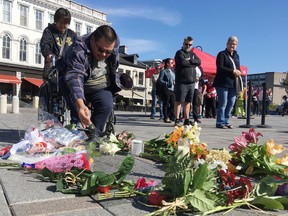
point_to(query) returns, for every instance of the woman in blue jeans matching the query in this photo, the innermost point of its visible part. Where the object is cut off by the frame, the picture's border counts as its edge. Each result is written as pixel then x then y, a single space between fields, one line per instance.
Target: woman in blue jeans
pixel 228 69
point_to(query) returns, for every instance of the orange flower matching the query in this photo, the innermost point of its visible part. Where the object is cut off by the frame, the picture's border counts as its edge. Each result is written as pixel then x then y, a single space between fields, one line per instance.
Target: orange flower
pixel 175 136
pixel 273 149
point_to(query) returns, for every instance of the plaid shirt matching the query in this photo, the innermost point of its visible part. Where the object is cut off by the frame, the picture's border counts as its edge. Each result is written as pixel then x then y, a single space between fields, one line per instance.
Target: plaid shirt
pixel 78 62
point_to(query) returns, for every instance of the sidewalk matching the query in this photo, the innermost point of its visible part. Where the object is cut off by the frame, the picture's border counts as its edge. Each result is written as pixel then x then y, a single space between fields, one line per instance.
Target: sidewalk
pixel 23 195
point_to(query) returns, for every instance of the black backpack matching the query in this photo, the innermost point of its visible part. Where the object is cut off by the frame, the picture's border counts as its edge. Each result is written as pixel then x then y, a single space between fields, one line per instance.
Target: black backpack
pixel 158 88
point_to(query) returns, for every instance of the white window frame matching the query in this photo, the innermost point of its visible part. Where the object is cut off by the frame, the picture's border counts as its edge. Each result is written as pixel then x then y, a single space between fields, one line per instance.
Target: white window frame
pixel 23 50
pixel 24 14
pixel 51 18
pixel 6 46
pixel 7 11
pixel 78 27
pixel 141 78
pixel 89 29
pixel 38 55
pixel 39 19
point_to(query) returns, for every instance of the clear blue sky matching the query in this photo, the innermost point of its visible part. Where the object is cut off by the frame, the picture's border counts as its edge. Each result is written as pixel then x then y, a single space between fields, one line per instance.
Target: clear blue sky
pixel 155 28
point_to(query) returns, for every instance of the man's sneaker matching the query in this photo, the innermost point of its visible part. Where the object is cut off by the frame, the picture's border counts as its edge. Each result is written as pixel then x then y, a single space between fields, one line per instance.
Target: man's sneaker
pixel 177 123
pixel 188 122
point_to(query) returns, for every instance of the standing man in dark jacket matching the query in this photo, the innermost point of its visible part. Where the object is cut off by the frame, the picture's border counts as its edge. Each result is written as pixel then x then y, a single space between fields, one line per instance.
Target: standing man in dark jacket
pixel 52 37
pixel 185 78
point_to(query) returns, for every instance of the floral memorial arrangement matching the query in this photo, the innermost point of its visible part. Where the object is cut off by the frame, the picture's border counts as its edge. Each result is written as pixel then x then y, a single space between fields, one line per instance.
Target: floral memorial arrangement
pixel 197 179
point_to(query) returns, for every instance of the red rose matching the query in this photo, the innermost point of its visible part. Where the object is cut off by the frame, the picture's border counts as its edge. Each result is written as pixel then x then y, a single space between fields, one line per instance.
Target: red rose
pixel 102 189
pixel 155 198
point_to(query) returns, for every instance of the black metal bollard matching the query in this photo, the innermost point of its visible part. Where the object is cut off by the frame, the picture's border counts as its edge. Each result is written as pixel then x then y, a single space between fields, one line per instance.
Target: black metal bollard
pixel 247 125
pixel 263 108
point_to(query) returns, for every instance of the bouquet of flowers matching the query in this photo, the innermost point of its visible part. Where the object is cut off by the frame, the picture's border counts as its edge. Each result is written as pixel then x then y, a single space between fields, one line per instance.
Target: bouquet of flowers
pixel 254 159
pixel 200 180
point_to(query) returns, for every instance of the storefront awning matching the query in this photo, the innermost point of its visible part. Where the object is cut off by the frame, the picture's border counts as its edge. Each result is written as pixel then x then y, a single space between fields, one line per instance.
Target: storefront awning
pixel 9 79
pixel 34 81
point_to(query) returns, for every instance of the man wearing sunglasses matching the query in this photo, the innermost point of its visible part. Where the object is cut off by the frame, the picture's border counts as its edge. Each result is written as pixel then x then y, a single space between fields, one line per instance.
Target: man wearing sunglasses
pixel 90 64
pixel 185 78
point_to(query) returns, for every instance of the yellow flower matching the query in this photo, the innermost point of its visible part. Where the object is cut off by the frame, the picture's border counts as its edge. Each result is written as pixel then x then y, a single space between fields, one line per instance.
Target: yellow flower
pixel 175 136
pixel 273 149
pixel 219 155
pixel 283 160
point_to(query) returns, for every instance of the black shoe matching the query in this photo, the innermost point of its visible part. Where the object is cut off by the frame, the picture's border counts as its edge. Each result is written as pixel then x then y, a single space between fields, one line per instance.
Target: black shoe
pixel 188 122
pixel 177 123
pixel 167 120
pixel 91 133
pixel 152 117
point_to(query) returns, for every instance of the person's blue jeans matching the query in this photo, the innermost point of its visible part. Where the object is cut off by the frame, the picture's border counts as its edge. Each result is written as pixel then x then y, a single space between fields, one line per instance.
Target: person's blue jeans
pixel 154 104
pixel 101 101
pixel 226 100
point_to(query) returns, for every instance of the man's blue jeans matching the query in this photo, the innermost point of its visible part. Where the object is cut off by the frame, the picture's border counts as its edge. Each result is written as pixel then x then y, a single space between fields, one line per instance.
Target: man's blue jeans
pixel 154 104
pixel 226 100
pixel 101 101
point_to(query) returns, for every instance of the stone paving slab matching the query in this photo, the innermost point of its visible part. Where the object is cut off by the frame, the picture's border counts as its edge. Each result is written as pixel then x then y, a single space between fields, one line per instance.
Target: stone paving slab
pixel 56 206
pixel 4 209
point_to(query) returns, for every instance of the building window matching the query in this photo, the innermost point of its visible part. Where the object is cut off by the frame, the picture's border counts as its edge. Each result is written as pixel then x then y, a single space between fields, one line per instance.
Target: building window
pixel 23 15
pixel 78 28
pixel 7 5
pixel 141 78
pixel 88 29
pixel 6 46
pixel 39 20
pixel 51 18
pixel 38 56
pixel 120 70
pixel 23 49
pixel 128 72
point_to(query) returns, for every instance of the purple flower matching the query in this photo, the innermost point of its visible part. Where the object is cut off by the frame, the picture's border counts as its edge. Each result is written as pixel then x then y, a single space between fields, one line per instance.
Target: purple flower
pixel 251 136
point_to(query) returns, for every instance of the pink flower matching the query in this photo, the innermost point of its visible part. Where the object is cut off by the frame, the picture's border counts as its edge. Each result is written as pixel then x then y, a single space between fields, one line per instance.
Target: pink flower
pixel 141 183
pixel 251 136
pixel 239 144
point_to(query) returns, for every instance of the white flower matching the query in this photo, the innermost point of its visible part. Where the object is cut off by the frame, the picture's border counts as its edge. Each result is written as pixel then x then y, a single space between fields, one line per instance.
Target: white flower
pixel 183 150
pixel 198 162
pixel 183 142
pixel 113 139
pixel 109 148
pixel 218 164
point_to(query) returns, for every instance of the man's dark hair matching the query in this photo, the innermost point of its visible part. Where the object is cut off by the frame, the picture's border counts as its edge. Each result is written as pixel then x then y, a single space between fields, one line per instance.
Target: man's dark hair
pixel 106 32
pixel 62 14
pixel 189 38
pixel 166 62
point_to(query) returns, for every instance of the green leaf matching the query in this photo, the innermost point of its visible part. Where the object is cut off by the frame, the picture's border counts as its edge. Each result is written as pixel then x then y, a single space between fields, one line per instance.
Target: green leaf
pixel 106 180
pixel 265 189
pixel 267 203
pixel 199 200
pixel 125 168
pixel 86 189
pixel 59 185
pixel 187 181
pixel 200 176
pixel 284 202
